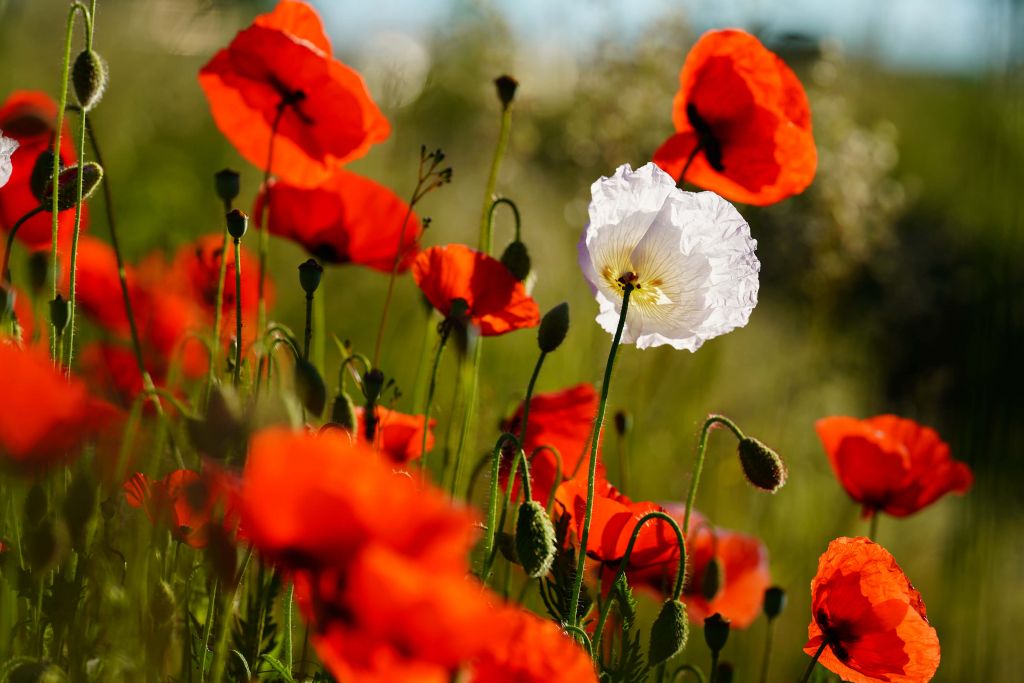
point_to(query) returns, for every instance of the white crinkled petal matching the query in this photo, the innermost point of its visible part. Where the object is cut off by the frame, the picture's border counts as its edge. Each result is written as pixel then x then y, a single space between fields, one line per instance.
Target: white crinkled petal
pixel 7 147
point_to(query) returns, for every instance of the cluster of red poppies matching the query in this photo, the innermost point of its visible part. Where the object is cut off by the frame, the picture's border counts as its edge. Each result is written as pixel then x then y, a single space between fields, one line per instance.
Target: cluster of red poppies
pixel 378 558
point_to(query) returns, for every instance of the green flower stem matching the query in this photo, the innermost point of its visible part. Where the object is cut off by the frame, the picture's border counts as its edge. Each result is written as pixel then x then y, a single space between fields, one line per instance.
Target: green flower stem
pixel 307 336
pixel 319 332
pixel 810 667
pixel 238 310
pixel 207 628
pixel 581 636
pixel 559 477
pixel 702 446
pixel 73 272
pixel 595 440
pixel 59 126
pixel 680 572
pixel 492 505
pixel 470 409
pixel 218 314
pixel 264 217
pixel 873 528
pixel 394 268
pixel 766 660
pixel 444 330
pixel 486 231
pixel 5 270
pixel 287 645
pixel 714 666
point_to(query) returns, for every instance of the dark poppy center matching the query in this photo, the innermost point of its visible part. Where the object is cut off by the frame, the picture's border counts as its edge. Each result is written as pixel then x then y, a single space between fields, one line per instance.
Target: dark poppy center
pixel 291 99
pixel 710 145
pixel 836 634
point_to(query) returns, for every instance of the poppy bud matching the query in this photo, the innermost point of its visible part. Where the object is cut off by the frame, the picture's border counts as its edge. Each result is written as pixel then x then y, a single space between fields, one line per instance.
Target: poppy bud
pixel 79 507
pixel 59 313
pixel 668 633
pixel 42 174
pixel 223 428
pixel 238 222
pixel 623 422
pixel 507 546
pixel 38 270
pixel 228 184
pixel 712 580
pixel 724 673
pixel 506 86
pixel 763 466
pixel 343 412
pixel 309 387
pixel 716 632
pixel 373 384
pixel 517 259
pixel 67 193
pixel 35 505
pixel 310 273
pixel 535 539
pixel 89 77
pixel 774 602
pixel 553 328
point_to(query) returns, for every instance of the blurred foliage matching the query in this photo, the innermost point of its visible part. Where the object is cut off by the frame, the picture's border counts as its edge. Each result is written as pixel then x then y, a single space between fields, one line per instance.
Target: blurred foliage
pixel 892 285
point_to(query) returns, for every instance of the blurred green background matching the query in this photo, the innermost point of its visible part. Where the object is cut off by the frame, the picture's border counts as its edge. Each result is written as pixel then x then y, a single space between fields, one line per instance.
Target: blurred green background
pixel 892 285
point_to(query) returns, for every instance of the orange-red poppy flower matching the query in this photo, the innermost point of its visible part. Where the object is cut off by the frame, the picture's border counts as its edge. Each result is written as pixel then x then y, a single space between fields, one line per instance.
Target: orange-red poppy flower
pixel 283 63
pixel 45 417
pixel 870 618
pixel 496 302
pixel 743 124
pixel 528 649
pixel 563 420
pixel 345 219
pixel 29 117
pixel 891 464
pixel 184 500
pixel 399 436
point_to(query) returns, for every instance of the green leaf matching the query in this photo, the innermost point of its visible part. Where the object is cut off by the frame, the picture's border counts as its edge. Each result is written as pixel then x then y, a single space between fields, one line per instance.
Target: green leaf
pixel 279 668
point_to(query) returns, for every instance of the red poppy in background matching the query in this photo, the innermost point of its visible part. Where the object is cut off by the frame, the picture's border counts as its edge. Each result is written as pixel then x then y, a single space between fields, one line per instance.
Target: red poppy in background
pixel 869 616
pixel 29 117
pixel 891 464
pixel 184 500
pixel 345 219
pixel 399 436
pixel 496 301
pixel 563 420
pixel 45 417
pixel 747 114
pixel 283 63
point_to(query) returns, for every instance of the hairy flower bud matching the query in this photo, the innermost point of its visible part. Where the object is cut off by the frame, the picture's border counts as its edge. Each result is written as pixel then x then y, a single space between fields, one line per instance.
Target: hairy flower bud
pixel 228 184
pixel 763 466
pixel 535 539
pixel 238 223
pixel 42 174
pixel 89 77
pixel 716 632
pixel 67 193
pixel 310 387
pixel 506 87
pixel 343 412
pixel 517 259
pixel 60 311
pixel 553 328
pixel 668 633
pixel 774 602
pixel 310 273
pixel 712 580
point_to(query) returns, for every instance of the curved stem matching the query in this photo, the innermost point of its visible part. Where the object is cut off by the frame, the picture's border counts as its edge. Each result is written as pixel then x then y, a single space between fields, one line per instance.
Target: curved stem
pixel 5 270
pixel 492 505
pixel 444 329
pixel 680 571
pixel 265 220
pixel 702 446
pixel 515 212
pixel 238 309
pixel 595 439
pixel 559 477
pixel 581 636
pixel 810 667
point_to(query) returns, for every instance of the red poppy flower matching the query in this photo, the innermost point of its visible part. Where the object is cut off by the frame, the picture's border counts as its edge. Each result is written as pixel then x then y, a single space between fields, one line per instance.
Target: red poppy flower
pixel 497 303
pixel 45 417
pixel 399 436
pixel 745 110
pixel 29 117
pixel 184 500
pixel 528 649
pixel 563 420
pixel 891 464
pixel 345 219
pixel 870 617
pixel 283 63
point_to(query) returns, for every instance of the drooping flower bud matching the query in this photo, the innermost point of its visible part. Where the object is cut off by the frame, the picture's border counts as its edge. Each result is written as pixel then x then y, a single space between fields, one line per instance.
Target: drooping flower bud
pixel 763 466
pixel 668 633
pixel 89 77
pixel 712 580
pixel 517 259
pixel 310 387
pixel 228 184
pixel 535 539
pixel 373 385
pixel 42 175
pixel 553 328
pixel 310 273
pixel 238 223
pixel 623 422
pixel 774 602
pixel 67 193
pixel 59 313
pixel 716 632
pixel 506 87
pixel 343 412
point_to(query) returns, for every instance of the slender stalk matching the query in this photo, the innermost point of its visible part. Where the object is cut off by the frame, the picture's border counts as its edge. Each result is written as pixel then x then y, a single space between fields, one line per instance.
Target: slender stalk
pixel 287 646
pixel 207 629
pixel 470 409
pixel 714 667
pixel 265 220
pixel 394 271
pixel 810 667
pixel 218 314
pixel 238 309
pixel 308 335
pixel 702 446
pixel 873 528
pixel 595 440
pixel 319 332
pixel 73 272
pixel 444 329
pixel 5 270
pixel 486 229
pixel 681 182
pixel 766 660
pixel 492 505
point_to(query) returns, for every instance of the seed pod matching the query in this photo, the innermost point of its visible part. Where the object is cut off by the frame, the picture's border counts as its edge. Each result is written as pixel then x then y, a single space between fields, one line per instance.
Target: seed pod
pixel 535 539
pixel 716 632
pixel 553 328
pixel 517 259
pixel 67 193
pixel 310 387
pixel 89 77
pixel 228 184
pixel 373 385
pixel 238 223
pixel 774 602
pixel 712 580
pixel 506 87
pixel 623 422
pixel 763 466
pixel 668 633
pixel 310 273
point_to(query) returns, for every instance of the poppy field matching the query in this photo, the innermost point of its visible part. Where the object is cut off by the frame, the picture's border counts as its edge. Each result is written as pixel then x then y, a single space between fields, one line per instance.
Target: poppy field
pixel 329 366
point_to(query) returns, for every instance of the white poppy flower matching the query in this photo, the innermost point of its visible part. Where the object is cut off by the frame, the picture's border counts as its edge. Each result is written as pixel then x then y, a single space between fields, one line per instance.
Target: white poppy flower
pixel 689 255
pixel 7 147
